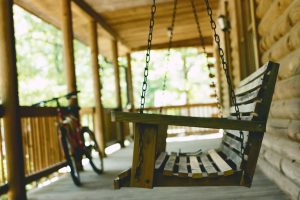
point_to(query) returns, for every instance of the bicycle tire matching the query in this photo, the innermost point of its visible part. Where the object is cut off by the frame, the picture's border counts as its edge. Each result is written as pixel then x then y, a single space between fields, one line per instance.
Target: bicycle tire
pixel 92 150
pixel 70 158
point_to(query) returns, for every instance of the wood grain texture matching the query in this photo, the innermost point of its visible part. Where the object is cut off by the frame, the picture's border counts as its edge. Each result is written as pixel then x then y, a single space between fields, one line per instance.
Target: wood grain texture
pixel 220 163
pixel 195 167
pixel 189 121
pixel 160 160
pixel 169 167
pixel 148 142
pixel 209 168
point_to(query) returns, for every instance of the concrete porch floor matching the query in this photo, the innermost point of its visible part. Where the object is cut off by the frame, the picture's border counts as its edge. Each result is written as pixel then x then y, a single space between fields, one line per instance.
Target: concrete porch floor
pixel 101 187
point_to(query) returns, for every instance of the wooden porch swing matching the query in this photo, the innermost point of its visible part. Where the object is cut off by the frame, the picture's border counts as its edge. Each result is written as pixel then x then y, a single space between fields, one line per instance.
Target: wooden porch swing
pixel 232 164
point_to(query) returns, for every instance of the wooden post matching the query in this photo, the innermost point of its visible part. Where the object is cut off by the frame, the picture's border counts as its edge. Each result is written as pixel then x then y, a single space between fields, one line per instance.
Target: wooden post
pixel 129 82
pixel 146 175
pixel 99 114
pixel 10 100
pixel 117 73
pixel 255 41
pixel 119 125
pixel 67 30
pixel 69 60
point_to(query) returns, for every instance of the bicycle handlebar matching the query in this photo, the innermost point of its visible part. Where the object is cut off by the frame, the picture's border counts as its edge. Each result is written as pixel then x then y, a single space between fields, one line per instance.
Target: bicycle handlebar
pixel 67 96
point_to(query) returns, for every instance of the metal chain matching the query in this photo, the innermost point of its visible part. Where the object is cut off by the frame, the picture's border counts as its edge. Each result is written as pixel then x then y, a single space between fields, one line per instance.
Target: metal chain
pixel 144 87
pixel 171 29
pixel 227 74
pixel 205 52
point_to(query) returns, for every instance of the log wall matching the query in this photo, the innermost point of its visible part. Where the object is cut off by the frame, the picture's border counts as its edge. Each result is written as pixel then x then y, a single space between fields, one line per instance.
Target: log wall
pixel 278 26
pixel 279 31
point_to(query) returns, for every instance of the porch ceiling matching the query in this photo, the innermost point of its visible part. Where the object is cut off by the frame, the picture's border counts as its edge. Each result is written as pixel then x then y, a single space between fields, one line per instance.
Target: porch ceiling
pixel 128 21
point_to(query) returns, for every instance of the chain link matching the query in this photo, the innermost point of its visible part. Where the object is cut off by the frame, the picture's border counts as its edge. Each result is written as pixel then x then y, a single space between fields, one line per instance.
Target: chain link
pixel 146 70
pixel 144 88
pixel 205 52
pixel 171 29
pixel 227 74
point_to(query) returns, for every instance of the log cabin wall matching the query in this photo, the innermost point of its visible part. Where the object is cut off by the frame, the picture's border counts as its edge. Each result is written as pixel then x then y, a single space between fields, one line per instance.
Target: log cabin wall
pixel 278 31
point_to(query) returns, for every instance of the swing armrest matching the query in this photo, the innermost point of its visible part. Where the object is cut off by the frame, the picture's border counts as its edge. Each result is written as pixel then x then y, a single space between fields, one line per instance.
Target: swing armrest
pixel 203 122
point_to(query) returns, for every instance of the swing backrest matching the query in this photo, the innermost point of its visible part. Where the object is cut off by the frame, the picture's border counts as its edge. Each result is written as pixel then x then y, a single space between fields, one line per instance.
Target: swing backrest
pixel 254 96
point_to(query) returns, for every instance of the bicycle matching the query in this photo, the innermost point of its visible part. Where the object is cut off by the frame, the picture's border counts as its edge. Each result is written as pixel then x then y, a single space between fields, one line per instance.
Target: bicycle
pixel 75 140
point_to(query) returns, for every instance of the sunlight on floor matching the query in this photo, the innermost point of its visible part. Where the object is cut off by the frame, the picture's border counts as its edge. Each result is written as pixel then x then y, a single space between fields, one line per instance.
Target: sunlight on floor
pixel 112 149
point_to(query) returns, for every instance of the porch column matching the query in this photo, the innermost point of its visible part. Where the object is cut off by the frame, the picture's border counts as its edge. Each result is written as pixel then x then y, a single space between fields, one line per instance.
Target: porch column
pixel 115 56
pixel 99 115
pixel 117 73
pixel 10 101
pixel 68 46
pixel 129 82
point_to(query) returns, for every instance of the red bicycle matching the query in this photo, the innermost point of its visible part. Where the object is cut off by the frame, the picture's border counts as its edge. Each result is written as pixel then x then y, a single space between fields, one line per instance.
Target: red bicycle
pixel 76 141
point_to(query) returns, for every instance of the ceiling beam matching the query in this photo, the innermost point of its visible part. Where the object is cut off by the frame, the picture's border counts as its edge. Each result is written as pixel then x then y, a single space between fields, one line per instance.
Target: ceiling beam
pixel 194 42
pixel 99 19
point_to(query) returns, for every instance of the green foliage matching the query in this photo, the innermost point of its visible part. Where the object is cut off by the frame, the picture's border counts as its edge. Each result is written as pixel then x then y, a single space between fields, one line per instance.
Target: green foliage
pixel 39 58
pixel 189 84
pixel 42 76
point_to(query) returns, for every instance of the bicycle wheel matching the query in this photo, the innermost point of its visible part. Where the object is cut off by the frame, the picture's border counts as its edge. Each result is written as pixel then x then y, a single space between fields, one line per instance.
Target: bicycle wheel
pixel 70 157
pixel 92 150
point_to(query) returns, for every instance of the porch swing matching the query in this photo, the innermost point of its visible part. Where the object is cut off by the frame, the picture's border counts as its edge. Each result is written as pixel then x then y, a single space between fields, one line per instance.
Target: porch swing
pixel 232 164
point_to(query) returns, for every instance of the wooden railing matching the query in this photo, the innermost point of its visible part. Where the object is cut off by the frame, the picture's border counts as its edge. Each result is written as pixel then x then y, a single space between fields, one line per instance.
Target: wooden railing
pixel 196 110
pixel 41 146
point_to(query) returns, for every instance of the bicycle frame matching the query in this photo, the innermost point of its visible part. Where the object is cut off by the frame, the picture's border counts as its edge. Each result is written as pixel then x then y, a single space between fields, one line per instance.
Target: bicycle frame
pixel 70 123
pixel 72 126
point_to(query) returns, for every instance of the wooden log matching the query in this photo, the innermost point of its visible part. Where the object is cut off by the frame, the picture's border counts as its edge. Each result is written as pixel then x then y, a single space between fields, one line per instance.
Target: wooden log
pixel 129 82
pixel 273 158
pixel 281 26
pixel 262 7
pixel 68 37
pixel 280 132
pixel 283 146
pixel 288 88
pixel 276 9
pixel 278 123
pixel 290 65
pixel 284 46
pixel 288 167
pixel 115 54
pixel 288 109
pixel 291 169
pixel 281 180
pixel 294 14
pixel 278 127
pixel 294 130
pixel 10 102
pixel 99 113
pixel 114 45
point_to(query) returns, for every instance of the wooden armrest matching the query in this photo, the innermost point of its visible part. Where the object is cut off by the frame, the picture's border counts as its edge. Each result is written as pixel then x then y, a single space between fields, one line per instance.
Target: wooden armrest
pixel 203 122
